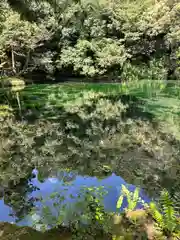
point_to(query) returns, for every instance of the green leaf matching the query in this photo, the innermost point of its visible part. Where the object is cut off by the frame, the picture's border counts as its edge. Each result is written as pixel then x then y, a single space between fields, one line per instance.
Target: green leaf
pixel 119 202
pixel 125 191
pixel 156 214
pixel 136 194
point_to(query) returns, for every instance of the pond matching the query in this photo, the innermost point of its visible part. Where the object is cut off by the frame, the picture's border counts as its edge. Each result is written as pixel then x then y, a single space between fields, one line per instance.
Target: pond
pixel 71 136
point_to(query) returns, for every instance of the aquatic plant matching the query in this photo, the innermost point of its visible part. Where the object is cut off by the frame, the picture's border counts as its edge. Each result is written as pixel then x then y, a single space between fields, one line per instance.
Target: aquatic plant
pixel 132 198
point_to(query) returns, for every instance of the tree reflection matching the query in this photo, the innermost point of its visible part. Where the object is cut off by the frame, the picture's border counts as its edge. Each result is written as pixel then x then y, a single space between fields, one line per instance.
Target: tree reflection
pixel 93 133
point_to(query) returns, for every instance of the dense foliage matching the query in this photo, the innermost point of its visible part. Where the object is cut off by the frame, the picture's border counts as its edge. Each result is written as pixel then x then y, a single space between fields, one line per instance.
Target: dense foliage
pixel 93 39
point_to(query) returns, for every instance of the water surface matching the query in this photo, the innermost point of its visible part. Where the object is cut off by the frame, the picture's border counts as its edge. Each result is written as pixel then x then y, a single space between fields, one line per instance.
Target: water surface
pixel 81 135
pixel 69 185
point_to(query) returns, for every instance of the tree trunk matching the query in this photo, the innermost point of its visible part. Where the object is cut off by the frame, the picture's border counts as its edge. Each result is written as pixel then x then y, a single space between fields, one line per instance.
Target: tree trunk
pixel 27 62
pixel 13 61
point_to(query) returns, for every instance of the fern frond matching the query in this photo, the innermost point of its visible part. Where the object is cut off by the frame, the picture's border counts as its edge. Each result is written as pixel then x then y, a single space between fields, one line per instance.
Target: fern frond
pixel 167 205
pixel 158 217
pixel 168 210
pixel 175 199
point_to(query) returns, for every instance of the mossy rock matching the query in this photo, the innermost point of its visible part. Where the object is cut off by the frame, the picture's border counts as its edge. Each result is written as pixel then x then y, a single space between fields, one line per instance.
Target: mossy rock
pixel 12 81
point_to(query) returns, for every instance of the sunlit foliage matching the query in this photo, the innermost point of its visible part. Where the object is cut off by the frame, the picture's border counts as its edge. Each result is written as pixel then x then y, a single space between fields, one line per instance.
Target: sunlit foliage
pixel 115 39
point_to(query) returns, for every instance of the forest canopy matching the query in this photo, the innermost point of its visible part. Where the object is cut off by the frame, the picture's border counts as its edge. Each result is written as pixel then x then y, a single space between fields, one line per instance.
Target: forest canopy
pixel 111 39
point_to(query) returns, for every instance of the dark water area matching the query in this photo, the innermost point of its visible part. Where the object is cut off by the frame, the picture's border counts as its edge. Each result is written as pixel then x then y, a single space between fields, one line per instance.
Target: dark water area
pixel 62 138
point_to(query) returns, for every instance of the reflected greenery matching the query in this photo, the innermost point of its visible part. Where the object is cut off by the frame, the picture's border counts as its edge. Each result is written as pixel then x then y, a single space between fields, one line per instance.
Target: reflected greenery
pixel 95 129
pixel 86 217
